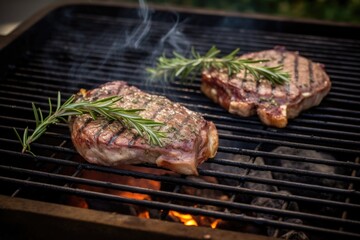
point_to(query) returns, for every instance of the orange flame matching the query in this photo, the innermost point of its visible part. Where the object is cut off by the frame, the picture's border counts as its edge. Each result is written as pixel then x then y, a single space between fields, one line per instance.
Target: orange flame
pixel 215 223
pixel 144 214
pixel 187 219
pixel 138 196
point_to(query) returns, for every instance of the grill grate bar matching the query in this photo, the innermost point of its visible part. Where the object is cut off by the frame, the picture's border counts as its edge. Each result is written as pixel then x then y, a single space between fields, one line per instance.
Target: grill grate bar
pixel 351 186
pixel 89 47
pixel 277 182
pixel 341 118
pixel 48 133
pixel 342 89
pixel 132 61
pixel 231 38
pixel 78 49
pixel 259 139
pixel 210 185
pixel 105 42
pixel 297 120
pixel 204 46
pixel 63 70
pixel 219 126
pixel 290 144
pixel 223 161
pixel 334 42
pixel 283 170
pixel 172 195
pixel 38 164
pixel 159 205
pixel 287 135
pixel 246 41
pixel 66 69
pixel 298 136
pixel 250 152
pixel 241 151
pixel 184 101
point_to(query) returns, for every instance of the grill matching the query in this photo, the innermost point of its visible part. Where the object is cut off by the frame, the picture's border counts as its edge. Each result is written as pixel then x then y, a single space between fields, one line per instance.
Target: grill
pixel 299 181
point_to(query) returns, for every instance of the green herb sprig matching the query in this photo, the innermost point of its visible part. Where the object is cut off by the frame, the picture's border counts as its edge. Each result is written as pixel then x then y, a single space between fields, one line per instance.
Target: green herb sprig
pixel 103 107
pixel 182 67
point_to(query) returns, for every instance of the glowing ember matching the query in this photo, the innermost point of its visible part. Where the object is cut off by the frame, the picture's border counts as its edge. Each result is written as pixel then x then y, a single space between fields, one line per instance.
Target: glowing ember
pixel 138 196
pixel 187 219
pixel 77 202
pixel 144 214
pixel 215 223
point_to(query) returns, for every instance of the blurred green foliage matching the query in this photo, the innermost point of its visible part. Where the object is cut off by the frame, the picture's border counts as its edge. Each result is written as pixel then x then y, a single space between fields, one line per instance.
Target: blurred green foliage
pixel 332 10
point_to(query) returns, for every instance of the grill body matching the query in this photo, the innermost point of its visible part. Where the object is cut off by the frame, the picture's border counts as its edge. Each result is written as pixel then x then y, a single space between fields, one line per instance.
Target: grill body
pixel 314 191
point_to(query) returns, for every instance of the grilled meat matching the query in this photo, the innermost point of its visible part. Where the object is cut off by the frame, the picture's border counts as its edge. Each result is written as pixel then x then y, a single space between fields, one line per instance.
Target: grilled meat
pixel 190 139
pixel 275 104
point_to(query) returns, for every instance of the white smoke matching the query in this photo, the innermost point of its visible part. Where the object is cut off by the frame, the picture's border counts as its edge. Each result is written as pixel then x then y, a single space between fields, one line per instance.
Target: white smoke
pixel 146 36
pixel 136 36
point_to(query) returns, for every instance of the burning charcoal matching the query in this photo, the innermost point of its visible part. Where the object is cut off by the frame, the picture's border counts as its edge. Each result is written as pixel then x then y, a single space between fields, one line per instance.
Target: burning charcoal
pixel 279 204
pixel 260 174
pixel 188 219
pixel 254 185
pixel 306 166
pixel 207 193
pixel 242 172
pixel 274 203
pixel 294 235
pixel 226 168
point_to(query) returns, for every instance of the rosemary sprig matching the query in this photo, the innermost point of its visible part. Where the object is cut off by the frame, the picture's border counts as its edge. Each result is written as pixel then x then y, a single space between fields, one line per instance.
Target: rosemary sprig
pixel 180 66
pixel 103 107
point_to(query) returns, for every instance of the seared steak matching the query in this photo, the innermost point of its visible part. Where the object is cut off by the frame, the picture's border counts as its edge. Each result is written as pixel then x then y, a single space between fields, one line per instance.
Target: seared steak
pixel 275 104
pixel 190 139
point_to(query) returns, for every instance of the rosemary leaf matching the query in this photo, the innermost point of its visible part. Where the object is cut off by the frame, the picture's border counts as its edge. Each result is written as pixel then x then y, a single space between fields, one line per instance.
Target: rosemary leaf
pixel 182 67
pixel 35 114
pixel 105 107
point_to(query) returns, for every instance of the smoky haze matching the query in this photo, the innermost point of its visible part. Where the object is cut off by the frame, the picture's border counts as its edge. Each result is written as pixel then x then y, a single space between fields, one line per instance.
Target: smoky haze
pixel 131 46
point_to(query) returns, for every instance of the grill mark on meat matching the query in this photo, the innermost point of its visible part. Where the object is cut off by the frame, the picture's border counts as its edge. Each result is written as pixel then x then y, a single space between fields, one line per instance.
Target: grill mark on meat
pixel 116 144
pixel 287 84
pixel 133 140
pixel 101 129
pixel 281 62
pixel 257 82
pixel 244 80
pixel 116 135
pixel 261 86
pixel 311 74
pixel 296 68
pixel 308 85
pixel 87 121
pixel 157 111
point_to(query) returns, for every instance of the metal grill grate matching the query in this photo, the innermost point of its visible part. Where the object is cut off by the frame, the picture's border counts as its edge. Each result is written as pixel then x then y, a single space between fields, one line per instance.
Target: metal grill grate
pixel 84 46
